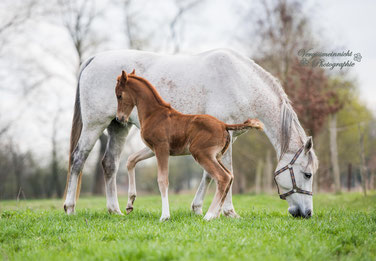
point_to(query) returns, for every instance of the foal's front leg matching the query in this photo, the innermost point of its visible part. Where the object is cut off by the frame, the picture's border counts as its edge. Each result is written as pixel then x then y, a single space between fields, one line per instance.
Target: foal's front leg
pixel 162 154
pixel 133 159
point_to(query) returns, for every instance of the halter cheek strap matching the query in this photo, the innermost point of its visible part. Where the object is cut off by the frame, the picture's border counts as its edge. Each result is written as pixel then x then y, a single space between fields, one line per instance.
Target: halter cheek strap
pixel 289 167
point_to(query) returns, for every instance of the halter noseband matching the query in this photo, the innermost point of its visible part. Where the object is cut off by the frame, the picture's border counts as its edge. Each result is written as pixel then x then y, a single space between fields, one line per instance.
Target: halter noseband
pixel 295 188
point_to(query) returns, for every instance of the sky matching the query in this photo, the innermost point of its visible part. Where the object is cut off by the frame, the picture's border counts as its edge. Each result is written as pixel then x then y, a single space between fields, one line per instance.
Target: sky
pixel 213 24
pixel 351 24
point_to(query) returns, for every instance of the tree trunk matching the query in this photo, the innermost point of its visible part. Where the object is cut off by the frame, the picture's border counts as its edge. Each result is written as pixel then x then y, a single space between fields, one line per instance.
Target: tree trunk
pixel 349 176
pixel 55 182
pixel 334 152
pixel 258 176
pixel 267 172
pixel 363 168
pixel 98 186
pixel 371 180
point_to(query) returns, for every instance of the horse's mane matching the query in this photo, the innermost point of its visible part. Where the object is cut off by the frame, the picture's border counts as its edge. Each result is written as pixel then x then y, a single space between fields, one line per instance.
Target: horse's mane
pixel 289 119
pixel 152 89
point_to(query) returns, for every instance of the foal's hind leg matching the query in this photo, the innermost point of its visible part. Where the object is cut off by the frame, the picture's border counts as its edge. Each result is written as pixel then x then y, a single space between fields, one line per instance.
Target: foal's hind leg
pixel 85 144
pixel 222 178
pixel 133 159
pixel 228 207
pixel 117 136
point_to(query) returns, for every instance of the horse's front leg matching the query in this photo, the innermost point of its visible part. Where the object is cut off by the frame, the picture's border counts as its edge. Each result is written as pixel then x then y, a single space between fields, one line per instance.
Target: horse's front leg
pixel 133 159
pixel 162 154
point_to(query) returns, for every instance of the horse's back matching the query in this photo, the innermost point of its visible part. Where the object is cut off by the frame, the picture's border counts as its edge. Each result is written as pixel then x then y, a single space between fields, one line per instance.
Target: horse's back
pixel 193 84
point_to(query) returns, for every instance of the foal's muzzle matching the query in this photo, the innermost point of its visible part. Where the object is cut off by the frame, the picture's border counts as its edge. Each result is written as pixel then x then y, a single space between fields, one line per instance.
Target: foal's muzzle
pixel 121 120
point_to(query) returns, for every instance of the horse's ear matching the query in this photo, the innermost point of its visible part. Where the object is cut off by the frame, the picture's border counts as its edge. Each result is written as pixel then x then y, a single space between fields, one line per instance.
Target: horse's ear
pixel 124 76
pixel 133 72
pixel 308 145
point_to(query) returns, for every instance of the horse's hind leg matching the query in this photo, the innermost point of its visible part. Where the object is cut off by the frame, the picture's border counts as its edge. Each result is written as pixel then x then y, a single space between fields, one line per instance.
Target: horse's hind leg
pixel 222 178
pixel 198 200
pixel 110 162
pixel 133 159
pixel 85 144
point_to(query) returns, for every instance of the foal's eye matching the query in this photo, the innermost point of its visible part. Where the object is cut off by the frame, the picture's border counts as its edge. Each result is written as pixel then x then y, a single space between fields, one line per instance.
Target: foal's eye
pixel 307 175
pixel 119 96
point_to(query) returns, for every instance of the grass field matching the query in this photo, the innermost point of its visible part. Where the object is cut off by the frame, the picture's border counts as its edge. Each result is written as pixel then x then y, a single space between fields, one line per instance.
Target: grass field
pixel 343 228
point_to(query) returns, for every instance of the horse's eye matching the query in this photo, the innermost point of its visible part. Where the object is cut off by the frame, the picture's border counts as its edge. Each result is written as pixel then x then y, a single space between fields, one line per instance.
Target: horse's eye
pixel 307 175
pixel 119 96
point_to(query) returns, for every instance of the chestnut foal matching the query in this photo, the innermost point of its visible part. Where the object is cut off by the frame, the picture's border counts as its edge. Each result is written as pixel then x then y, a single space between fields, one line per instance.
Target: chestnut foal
pixel 168 132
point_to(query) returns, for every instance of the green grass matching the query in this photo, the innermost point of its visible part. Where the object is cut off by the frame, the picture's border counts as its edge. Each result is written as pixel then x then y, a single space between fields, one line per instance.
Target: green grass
pixel 343 228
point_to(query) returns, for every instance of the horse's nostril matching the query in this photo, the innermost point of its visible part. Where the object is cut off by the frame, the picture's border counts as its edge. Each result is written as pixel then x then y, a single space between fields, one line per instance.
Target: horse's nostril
pixel 295 212
pixel 308 213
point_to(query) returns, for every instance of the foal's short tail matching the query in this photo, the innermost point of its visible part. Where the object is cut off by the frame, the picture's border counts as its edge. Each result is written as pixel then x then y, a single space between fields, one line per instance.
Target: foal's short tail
pixel 250 123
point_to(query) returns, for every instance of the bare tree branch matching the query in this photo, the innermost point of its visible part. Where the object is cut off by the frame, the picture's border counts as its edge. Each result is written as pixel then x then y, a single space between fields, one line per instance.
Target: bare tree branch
pixel 182 10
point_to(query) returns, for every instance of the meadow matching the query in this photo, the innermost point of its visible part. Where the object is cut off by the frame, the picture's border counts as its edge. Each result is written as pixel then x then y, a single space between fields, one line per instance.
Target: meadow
pixel 343 228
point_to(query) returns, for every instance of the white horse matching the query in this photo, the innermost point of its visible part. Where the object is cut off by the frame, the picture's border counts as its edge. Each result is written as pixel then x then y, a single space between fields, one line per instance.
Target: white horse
pixel 222 83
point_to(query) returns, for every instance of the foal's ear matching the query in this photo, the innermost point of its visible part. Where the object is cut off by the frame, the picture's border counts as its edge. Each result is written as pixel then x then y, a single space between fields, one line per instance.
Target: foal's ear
pixel 133 72
pixel 124 76
pixel 308 145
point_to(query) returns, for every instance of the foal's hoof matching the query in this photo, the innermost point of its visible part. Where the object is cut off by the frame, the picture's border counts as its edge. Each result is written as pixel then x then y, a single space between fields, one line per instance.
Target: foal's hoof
pixel 163 219
pixel 197 209
pixel 131 199
pixel 230 213
pixel 129 209
pixel 69 209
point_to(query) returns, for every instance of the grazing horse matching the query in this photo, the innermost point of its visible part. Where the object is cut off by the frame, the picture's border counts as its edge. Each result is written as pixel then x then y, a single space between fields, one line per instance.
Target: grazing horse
pixel 168 132
pixel 222 83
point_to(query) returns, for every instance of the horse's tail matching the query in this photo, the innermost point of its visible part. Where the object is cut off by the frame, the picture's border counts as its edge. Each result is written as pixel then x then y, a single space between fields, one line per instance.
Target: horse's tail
pixel 250 123
pixel 76 132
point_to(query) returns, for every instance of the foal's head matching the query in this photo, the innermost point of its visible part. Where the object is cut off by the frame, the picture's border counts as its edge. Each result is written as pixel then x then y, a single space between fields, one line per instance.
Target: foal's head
pixel 126 101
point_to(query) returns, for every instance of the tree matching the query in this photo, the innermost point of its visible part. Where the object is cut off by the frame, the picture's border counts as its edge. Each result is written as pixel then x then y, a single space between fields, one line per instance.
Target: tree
pixel 15 17
pixel 283 28
pixel 12 20
pixel 183 8
pixel 78 18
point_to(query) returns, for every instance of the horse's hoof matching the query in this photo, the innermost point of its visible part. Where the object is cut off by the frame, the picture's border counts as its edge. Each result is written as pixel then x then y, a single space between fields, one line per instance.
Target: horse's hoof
pixel 230 213
pixel 197 209
pixel 209 216
pixel 115 211
pixel 164 218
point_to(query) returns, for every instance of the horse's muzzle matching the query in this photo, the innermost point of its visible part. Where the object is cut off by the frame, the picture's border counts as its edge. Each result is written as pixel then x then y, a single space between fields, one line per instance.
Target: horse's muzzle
pixel 297 212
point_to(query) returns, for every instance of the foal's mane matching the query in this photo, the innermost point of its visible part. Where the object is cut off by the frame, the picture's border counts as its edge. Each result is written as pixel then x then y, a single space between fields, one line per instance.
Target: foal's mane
pixel 152 89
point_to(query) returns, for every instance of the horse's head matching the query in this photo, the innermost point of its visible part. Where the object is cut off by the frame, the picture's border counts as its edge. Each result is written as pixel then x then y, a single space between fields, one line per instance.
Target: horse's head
pixel 126 101
pixel 294 175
